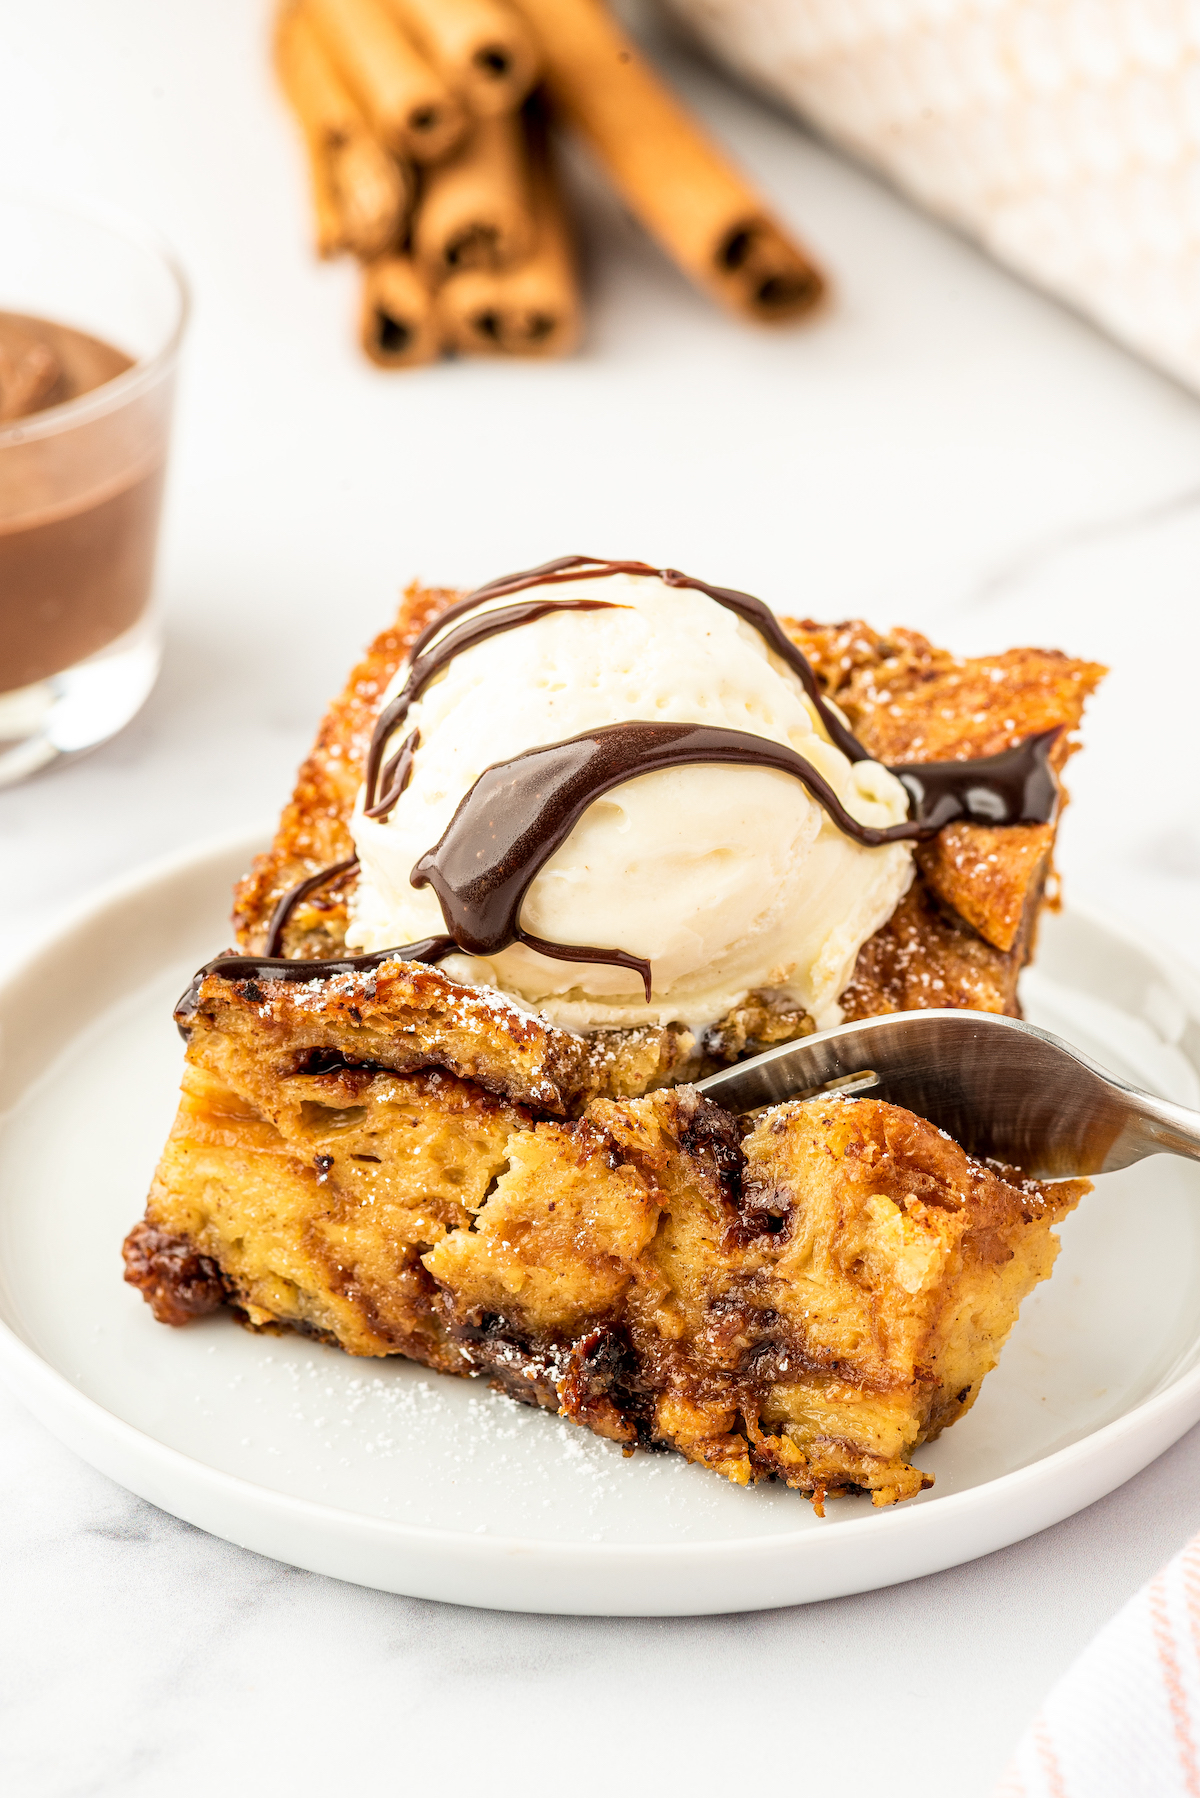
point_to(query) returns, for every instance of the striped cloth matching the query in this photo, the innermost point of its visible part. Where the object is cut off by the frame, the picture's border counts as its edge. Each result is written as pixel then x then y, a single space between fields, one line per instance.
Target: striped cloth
pixel 1063 134
pixel 1124 1721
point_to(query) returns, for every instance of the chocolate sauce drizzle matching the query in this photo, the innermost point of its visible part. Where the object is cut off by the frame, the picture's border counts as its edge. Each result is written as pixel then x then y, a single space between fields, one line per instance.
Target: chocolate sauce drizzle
pixel 424 664
pixel 754 611
pixel 396 777
pixel 1015 787
pixel 294 895
pixel 521 811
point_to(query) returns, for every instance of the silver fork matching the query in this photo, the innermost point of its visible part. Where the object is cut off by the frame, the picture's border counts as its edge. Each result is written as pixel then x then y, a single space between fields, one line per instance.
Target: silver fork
pixel 998 1086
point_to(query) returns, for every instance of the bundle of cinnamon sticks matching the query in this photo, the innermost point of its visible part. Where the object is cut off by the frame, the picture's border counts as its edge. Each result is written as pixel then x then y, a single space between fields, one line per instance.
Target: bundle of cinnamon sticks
pixel 425 125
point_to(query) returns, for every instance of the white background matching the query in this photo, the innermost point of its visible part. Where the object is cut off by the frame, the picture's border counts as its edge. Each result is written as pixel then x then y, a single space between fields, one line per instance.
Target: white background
pixel 944 449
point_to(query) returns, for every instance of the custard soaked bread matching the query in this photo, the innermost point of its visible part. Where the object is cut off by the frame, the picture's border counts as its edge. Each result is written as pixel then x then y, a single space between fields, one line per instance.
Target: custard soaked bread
pixel 811 1301
pixel 451 1117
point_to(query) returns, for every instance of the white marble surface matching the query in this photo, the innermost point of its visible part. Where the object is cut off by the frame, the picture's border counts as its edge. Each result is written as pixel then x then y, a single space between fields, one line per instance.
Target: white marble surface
pixel 945 449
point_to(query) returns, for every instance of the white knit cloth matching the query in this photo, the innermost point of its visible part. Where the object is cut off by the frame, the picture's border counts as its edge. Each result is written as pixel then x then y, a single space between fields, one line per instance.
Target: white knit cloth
pixel 1064 134
pixel 1124 1722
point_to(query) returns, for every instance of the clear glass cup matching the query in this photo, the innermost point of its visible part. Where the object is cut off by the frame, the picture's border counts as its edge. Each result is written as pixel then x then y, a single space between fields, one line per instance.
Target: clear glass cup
pixel 80 481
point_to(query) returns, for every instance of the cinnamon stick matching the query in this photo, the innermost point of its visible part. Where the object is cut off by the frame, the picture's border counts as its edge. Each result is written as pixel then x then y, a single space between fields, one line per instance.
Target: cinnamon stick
pixel 405 99
pixel 531 309
pixel 482 48
pixel 361 195
pixel 476 210
pixel 678 183
pixel 326 114
pixel 328 229
pixel 319 98
pixel 373 193
pixel 398 324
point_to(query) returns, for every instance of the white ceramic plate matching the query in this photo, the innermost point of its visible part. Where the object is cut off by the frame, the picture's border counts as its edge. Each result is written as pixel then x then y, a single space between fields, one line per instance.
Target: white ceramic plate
pixel 385 1474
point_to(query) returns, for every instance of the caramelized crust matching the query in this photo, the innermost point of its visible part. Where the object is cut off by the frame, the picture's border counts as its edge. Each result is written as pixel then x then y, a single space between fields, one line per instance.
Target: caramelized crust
pixel 175 1279
pixel 909 702
pixel 967 925
pixel 403 1017
pixel 988 874
pixel 925 955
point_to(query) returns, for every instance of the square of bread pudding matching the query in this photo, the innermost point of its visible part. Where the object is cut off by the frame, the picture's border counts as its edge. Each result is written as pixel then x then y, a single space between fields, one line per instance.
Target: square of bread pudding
pixel 563 846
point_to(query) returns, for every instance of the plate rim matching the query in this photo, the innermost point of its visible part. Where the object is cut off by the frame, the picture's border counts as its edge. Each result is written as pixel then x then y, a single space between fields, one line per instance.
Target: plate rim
pixel 70 1413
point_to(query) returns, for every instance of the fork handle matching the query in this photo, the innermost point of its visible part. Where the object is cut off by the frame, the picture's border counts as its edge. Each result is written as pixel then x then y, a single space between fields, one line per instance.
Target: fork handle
pixel 1158 1127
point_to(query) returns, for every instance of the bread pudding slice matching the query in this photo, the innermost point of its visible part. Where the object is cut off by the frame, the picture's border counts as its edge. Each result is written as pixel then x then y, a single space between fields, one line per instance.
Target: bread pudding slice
pixel 399 1163
pixel 810 1300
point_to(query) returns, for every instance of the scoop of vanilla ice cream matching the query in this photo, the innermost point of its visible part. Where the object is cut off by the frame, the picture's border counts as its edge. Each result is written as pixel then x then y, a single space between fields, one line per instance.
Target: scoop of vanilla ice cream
pixel 727 879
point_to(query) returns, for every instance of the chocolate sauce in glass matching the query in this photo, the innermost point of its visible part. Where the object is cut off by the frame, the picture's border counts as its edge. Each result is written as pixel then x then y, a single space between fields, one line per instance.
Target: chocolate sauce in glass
pixel 521 811
pixel 45 364
pixel 78 512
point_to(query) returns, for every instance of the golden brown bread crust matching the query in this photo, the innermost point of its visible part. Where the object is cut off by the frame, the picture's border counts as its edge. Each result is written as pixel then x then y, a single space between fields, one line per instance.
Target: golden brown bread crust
pixel 910 702
pixel 811 1303
pixel 926 955
pixel 987 874
pixel 966 928
pixel 404 1017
